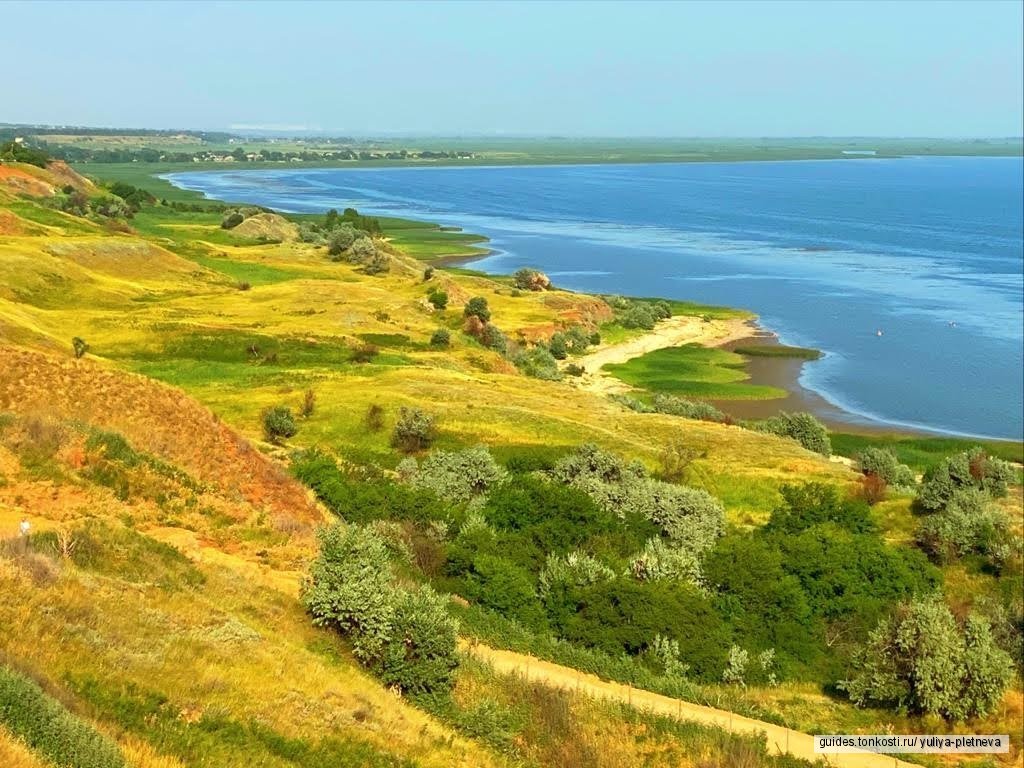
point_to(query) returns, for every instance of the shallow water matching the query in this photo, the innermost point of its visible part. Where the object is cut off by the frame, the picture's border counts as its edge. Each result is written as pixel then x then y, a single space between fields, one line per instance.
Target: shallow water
pixel 926 250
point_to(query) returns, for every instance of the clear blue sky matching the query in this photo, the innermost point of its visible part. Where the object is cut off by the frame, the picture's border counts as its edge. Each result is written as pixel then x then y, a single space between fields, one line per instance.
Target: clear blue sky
pixel 582 69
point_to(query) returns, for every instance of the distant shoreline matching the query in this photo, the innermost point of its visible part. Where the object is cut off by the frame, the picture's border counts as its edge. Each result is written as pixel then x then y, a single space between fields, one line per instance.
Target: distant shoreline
pixel 781 372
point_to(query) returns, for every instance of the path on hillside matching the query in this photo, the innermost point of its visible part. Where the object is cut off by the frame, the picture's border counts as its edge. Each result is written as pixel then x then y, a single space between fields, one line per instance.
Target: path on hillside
pixel 780 740
pixel 673 332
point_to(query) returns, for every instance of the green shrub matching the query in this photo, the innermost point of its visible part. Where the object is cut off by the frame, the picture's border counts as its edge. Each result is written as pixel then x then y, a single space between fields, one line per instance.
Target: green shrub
pixel 361 499
pixel 883 464
pixel 969 469
pixel 80 346
pixel 438 298
pixel 921 660
pixel 622 615
pixel 689 409
pixel 504 586
pixel 374 418
pixel 813 504
pixel 968 523
pixel 340 240
pixel 441 339
pixel 577 339
pixel 558 346
pixel 279 424
pixel 414 431
pixel 492 337
pixel 231 220
pixel 537 362
pixel 428 274
pixel 376 263
pixel 49 729
pixel 405 636
pixel 802 427
pixel 575 370
pixel 458 475
pixel 765 606
pixel 527 279
pixel 477 307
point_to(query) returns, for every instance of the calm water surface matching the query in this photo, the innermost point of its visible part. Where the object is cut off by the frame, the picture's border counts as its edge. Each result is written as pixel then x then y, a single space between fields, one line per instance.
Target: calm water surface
pixel 926 250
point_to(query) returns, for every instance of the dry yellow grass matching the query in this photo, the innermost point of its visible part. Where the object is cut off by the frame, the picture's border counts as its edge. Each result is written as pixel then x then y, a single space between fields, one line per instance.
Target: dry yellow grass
pixel 14 754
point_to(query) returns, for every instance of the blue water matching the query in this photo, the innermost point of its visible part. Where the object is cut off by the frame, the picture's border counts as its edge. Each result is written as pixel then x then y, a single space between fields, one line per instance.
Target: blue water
pixel 927 250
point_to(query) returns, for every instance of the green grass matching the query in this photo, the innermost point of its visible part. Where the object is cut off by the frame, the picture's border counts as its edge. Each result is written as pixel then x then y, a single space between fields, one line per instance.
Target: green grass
pixel 778 350
pixel 429 242
pixel 49 729
pixel 693 371
pixel 247 271
pixel 215 739
pixel 922 452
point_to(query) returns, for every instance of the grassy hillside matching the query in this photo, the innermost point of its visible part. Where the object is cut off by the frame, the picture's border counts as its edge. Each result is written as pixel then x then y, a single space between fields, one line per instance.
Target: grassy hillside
pixel 156 599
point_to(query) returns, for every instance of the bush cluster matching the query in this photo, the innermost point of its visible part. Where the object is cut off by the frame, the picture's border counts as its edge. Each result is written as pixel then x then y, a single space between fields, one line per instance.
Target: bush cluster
pixel 279 424
pixel 636 313
pixel 921 659
pixel 802 427
pixel 404 635
pixel 414 431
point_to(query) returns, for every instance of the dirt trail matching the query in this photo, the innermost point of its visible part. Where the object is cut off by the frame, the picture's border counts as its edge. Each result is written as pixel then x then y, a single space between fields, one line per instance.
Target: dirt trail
pixel 673 332
pixel 780 740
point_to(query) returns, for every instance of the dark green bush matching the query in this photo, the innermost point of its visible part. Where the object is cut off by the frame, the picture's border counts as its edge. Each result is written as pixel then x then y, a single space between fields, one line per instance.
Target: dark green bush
pixel 802 427
pixel 438 298
pixel 441 339
pixel 969 469
pixel 362 499
pixel 279 424
pixel 232 220
pixel 558 346
pixel 477 307
pixel 49 729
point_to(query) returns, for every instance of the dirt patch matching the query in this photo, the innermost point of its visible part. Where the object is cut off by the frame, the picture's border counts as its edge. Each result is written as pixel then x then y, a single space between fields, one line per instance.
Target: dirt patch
pixel 24 182
pixel 268 226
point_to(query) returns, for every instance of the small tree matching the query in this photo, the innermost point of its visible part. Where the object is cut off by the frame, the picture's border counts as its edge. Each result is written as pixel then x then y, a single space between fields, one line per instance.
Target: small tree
pixel 415 430
pixel 492 337
pixel 438 298
pixel 441 339
pixel 377 263
pixel 558 346
pixel 921 660
pixel 477 307
pixel 340 240
pixel 883 463
pixel 736 666
pixel 80 347
pixel 362 251
pixel 802 427
pixel 279 424
pixel 969 469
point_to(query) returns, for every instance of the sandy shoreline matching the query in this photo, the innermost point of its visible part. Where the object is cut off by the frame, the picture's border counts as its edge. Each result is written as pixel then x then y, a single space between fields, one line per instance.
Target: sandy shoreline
pixel 780 372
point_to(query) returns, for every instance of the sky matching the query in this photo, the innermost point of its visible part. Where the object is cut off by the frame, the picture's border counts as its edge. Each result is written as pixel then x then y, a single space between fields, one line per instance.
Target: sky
pixel 723 68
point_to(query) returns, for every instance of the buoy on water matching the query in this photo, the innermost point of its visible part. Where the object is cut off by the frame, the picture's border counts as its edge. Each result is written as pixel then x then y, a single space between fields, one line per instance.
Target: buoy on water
pixel 878 332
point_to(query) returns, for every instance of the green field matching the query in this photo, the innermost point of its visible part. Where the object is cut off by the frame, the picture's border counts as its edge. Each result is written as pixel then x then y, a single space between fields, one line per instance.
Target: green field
pixel 922 452
pixel 777 350
pixel 693 371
